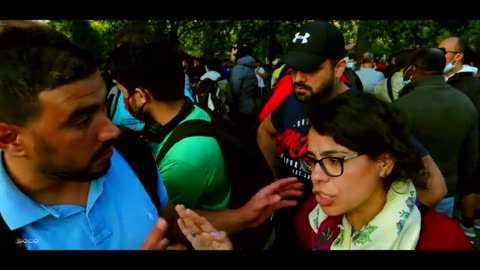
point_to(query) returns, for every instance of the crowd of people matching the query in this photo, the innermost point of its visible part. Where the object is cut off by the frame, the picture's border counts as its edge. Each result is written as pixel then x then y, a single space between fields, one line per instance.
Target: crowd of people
pixel 350 170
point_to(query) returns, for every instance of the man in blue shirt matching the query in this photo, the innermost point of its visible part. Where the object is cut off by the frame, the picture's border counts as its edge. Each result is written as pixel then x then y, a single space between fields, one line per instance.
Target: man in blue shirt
pixel 60 176
pixel 63 184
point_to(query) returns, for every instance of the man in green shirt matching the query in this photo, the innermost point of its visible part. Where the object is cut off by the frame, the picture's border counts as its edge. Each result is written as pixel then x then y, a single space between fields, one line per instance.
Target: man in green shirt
pixel 151 77
pixel 193 170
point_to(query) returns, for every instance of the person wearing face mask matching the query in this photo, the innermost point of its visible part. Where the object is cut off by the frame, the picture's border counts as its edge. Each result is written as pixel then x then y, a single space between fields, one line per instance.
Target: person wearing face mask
pixel 116 102
pixel 389 88
pixel 368 72
pixel 193 171
pixel 443 119
pixel 364 177
pixel 462 76
pixel 160 103
pixel 349 76
pixel 317 56
pixel 457 55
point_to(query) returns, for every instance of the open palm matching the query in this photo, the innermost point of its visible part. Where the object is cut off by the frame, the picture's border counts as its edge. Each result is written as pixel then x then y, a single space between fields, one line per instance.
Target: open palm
pixel 201 234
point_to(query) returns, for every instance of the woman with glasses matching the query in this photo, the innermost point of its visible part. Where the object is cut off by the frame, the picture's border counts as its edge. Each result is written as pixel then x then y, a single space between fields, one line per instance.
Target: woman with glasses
pixel 365 171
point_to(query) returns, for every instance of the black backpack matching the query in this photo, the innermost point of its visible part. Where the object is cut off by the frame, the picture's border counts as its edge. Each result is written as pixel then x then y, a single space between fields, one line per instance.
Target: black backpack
pixel 209 92
pixel 353 79
pixel 133 149
pixel 247 169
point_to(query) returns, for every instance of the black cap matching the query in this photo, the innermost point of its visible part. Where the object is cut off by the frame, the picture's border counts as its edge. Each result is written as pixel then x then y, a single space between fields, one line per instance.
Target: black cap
pixel 314 43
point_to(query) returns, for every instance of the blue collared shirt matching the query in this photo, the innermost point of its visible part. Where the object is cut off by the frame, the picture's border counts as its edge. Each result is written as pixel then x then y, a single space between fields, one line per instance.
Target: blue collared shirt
pixel 119 213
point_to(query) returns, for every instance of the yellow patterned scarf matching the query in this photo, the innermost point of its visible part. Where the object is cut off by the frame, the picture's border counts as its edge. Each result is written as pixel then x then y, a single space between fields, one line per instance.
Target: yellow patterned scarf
pixel 396 227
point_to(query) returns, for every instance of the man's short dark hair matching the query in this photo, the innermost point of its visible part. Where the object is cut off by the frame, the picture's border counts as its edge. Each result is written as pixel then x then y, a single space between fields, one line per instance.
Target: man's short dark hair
pixel 430 60
pixel 35 58
pixel 155 66
pixel 243 49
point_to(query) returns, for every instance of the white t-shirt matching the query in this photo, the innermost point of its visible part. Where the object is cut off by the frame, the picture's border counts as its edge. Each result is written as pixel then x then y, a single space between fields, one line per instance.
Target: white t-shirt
pixel 260 70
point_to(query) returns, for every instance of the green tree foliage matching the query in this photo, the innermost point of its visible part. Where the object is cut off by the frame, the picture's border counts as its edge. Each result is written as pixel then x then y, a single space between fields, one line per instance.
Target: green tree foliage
pixel 84 34
pixel 269 38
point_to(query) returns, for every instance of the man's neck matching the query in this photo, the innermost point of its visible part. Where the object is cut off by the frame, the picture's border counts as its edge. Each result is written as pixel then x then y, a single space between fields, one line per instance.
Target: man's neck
pixel 368 66
pixel 164 112
pixel 339 89
pixel 41 189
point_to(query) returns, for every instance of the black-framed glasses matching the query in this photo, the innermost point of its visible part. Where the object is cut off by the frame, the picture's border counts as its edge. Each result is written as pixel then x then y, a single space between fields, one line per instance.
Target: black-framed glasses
pixel 331 166
pixel 445 51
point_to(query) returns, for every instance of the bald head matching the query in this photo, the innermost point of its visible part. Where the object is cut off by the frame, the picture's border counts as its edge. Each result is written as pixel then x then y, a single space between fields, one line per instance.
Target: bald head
pixel 450 44
pixel 367 57
pixel 457 50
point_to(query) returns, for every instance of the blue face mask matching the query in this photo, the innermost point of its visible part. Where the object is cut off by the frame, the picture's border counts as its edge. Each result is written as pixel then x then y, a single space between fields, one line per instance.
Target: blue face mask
pixel 405 82
pixel 349 64
pixel 449 66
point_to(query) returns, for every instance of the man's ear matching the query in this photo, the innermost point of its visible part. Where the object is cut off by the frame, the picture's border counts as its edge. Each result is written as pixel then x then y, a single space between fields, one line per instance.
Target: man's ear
pixel 10 140
pixel 459 57
pixel 143 94
pixel 386 163
pixel 340 68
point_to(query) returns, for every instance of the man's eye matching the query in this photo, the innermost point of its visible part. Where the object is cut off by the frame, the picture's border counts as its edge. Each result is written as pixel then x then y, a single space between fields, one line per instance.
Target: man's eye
pixel 84 120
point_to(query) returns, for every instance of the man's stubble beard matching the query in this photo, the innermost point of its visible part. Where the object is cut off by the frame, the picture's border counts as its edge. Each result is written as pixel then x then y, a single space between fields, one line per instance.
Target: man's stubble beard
pixel 316 96
pixel 43 148
pixel 80 176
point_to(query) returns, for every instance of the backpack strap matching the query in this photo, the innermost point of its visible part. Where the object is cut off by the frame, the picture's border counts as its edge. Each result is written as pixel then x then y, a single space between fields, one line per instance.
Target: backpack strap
pixel 186 129
pixel 140 158
pixel 353 79
pixel 112 101
pixel 389 88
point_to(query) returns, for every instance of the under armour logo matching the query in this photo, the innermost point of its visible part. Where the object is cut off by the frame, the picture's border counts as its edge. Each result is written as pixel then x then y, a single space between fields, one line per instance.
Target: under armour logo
pixel 298 36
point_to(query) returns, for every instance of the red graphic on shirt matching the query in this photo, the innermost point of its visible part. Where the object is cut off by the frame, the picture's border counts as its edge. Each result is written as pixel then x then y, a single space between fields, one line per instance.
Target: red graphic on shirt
pixel 295 144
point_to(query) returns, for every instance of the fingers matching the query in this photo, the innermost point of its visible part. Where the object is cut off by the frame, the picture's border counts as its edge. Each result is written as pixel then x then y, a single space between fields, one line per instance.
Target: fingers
pixel 285 203
pixel 177 246
pixel 193 221
pixel 181 210
pixel 290 193
pixel 184 229
pixel 286 181
pixel 200 221
pixel 280 184
pixel 223 242
pixel 155 240
pixel 295 186
pixel 221 235
pixel 189 229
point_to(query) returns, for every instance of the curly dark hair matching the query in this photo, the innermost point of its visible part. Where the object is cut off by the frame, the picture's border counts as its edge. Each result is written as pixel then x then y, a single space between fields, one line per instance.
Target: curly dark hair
pixel 365 124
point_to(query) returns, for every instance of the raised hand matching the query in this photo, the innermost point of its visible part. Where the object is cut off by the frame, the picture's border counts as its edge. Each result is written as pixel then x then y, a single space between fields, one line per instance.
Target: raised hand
pixel 201 234
pixel 277 195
